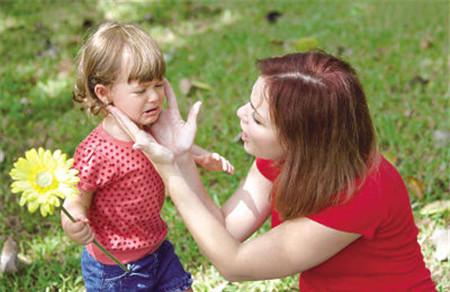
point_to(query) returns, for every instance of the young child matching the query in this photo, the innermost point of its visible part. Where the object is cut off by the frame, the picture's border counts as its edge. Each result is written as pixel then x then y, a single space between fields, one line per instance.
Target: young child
pixel 121 194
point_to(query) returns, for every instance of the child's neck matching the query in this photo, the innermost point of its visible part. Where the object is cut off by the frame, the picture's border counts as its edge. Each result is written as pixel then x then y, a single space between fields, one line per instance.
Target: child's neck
pixel 113 129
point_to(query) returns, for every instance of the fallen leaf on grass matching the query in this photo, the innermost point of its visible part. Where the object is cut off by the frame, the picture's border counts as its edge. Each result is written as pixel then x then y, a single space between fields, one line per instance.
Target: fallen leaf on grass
pixel 277 42
pixel 417 80
pixel 2 155
pixel 426 42
pixel 441 240
pixel 436 207
pixel 273 16
pixel 416 187
pixel 201 85
pixel 186 85
pixel 8 259
pixel 306 44
pixel 442 138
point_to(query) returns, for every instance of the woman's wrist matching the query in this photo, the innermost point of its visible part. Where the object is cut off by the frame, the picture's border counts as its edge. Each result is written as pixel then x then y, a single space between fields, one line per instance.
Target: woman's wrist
pixel 185 159
pixel 167 170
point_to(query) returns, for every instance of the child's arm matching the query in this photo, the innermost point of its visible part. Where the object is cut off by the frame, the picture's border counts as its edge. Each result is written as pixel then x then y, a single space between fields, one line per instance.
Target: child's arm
pixel 211 161
pixel 78 207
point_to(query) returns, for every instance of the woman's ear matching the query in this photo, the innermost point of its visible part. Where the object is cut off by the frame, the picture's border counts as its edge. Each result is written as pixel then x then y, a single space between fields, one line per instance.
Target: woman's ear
pixel 102 93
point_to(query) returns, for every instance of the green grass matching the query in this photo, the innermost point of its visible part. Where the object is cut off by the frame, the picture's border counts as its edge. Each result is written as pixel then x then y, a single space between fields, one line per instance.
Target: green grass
pixel 399 48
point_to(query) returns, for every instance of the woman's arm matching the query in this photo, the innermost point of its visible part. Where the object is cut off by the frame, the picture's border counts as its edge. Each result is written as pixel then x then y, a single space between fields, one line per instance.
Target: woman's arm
pixel 245 210
pixel 292 247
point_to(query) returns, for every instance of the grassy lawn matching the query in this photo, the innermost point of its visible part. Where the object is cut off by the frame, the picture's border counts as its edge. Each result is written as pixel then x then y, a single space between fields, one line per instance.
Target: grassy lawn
pixel 399 48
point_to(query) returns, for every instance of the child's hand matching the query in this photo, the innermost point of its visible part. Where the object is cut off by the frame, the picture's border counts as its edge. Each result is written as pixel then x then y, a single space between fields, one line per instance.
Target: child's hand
pixel 78 231
pixel 213 162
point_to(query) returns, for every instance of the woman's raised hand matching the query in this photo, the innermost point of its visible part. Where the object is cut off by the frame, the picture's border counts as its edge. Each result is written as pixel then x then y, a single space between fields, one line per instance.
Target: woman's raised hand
pixel 171 130
pixel 170 136
pixel 142 140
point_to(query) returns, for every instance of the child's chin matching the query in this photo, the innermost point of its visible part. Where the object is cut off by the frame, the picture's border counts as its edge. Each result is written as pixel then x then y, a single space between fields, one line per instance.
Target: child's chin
pixel 149 122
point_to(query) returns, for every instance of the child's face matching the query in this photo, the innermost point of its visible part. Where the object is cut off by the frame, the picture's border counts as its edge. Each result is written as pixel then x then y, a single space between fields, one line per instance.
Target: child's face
pixel 141 102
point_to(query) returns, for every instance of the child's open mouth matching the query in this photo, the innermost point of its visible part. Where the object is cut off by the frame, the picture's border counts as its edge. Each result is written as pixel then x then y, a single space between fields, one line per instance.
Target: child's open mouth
pixel 152 111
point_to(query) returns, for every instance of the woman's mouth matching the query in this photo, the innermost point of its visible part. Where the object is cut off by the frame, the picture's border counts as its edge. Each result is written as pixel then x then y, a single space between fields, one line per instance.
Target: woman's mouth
pixel 244 137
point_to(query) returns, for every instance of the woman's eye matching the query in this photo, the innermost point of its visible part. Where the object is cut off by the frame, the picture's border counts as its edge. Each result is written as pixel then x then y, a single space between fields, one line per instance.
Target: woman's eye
pixel 140 91
pixel 159 85
pixel 255 119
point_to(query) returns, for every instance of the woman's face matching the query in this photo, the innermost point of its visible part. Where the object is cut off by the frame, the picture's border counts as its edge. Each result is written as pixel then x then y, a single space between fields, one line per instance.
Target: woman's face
pixel 258 131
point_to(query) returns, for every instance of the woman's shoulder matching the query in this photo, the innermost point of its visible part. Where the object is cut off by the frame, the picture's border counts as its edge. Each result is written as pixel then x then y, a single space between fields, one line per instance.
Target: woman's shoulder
pixel 383 178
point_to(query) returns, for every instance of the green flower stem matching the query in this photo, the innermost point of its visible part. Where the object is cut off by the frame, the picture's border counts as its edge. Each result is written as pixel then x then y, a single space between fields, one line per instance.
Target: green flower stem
pixel 106 252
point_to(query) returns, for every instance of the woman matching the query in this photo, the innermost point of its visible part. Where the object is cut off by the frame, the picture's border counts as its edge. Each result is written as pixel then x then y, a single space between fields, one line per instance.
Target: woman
pixel 341 214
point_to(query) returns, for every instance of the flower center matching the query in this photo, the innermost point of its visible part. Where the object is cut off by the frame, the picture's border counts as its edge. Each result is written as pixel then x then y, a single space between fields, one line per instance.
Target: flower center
pixel 44 179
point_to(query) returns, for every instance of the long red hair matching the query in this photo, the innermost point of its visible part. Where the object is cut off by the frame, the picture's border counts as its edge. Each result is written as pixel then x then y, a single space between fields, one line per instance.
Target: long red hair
pixel 320 111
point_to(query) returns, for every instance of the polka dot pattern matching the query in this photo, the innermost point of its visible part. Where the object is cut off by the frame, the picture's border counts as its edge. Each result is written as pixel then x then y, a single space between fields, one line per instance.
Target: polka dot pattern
pixel 129 193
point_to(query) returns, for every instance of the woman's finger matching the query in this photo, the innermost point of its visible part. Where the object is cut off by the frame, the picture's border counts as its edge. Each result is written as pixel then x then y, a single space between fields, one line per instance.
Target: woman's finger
pixel 171 98
pixel 155 152
pixel 193 113
pixel 124 122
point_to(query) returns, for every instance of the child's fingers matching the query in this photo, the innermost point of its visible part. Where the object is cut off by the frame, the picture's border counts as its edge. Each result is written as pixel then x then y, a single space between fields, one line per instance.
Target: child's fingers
pixel 85 236
pixel 225 165
pixel 90 238
pixel 223 162
pixel 84 220
pixel 229 168
pixel 215 156
pixel 79 224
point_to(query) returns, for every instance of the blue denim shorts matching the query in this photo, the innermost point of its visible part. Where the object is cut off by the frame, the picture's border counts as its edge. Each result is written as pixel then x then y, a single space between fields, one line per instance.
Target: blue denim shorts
pixel 158 271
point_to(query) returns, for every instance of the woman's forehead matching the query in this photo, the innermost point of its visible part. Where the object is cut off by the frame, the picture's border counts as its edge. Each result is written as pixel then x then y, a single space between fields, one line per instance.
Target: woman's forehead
pixel 258 96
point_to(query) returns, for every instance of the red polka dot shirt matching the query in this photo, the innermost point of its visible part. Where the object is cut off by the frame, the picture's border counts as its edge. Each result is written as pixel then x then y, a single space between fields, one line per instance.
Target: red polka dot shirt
pixel 128 197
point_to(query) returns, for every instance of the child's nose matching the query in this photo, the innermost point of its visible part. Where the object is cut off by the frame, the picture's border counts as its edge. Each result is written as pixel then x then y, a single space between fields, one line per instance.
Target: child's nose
pixel 152 95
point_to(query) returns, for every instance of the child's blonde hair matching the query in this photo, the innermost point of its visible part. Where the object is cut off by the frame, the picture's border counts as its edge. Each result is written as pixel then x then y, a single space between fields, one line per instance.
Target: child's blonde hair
pixel 100 61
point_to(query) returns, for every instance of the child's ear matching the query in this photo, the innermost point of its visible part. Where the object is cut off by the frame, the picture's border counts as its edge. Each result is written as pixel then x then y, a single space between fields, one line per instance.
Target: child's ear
pixel 102 93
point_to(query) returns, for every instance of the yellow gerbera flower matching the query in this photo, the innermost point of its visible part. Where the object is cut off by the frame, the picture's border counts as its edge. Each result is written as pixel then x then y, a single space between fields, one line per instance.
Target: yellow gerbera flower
pixel 44 178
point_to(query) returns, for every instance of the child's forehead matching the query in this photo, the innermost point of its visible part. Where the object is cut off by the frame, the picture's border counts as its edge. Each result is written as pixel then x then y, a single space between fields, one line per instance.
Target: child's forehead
pixel 144 83
pixel 132 70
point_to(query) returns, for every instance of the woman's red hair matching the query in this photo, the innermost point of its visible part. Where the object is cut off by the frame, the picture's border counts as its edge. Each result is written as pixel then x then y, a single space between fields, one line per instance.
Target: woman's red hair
pixel 320 111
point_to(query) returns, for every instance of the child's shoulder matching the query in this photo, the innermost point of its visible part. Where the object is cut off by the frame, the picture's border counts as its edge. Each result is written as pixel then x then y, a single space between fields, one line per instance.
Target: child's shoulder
pixel 90 144
pixel 93 138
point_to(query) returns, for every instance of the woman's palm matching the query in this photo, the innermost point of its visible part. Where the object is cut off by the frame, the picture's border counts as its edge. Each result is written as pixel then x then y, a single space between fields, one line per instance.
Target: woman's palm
pixel 172 132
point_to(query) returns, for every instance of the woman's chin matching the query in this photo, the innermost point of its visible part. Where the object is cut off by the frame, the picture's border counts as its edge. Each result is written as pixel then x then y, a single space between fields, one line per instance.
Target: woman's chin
pixel 248 149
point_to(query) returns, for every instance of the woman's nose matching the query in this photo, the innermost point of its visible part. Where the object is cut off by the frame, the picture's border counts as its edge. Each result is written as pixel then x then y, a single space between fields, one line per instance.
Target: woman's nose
pixel 242 113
